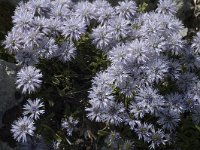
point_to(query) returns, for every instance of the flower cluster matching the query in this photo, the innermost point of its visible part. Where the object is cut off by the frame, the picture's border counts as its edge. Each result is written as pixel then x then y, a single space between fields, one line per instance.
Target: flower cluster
pixel 45 29
pixel 146 51
pixel 25 125
pixel 149 84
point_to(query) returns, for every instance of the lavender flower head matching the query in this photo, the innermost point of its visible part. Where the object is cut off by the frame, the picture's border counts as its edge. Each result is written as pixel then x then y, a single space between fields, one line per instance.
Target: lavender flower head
pixel 101 37
pixel 196 43
pixel 69 124
pixel 167 7
pixel 126 9
pixel 33 108
pixel 21 128
pixel 29 79
pixel 66 51
pixel 73 28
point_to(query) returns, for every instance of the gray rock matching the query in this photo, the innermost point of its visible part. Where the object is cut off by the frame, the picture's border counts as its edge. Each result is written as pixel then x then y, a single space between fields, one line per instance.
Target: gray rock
pixel 7 87
pixel 5 146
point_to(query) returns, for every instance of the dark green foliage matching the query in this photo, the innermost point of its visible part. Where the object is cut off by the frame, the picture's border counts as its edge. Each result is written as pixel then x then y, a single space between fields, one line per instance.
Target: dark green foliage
pixel 6 11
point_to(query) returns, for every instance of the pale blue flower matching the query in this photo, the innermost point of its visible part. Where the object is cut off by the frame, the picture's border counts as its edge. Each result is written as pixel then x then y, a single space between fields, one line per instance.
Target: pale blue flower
pixel 101 96
pixel 156 138
pixel 23 19
pixel 190 59
pixel 175 101
pixel 137 52
pixel 126 9
pixel 52 27
pixel 73 28
pixel 156 69
pixel 39 7
pixel 143 130
pixel 118 54
pixel 33 108
pixel 114 113
pixel 69 124
pixel 119 28
pixel 101 37
pixel 32 38
pixel 137 110
pixel 105 14
pixel 85 11
pixel 149 99
pixel 186 81
pixel 29 79
pixel 169 119
pixel 66 51
pixel 167 7
pixel 128 145
pixel 118 73
pixel 22 128
pixel 95 113
pixel 48 49
pixel 13 41
pixel 26 57
pixel 61 9
pixel 113 139
pixel 196 42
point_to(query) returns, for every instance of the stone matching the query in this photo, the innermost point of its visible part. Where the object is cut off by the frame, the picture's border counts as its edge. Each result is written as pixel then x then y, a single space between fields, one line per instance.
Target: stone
pixel 7 87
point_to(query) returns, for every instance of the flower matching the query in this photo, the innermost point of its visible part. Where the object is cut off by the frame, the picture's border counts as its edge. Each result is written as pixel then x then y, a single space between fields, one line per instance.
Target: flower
pixel 104 14
pixel 29 79
pixel 100 96
pixel 26 57
pixel 85 11
pixel 101 92
pixel 66 51
pixel 13 41
pixel 114 114
pixel 23 19
pixel 48 49
pixel 156 70
pixel 118 54
pixel 101 37
pixel 143 130
pixel 94 113
pixel 40 7
pixel 119 28
pixel 169 119
pixel 149 99
pixel 33 108
pixel 21 128
pixel 73 28
pixel 156 138
pixel 128 145
pixel 136 110
pixel 113 139
pixel 167 7
pixel 137 52
pixel 56 144
pixel 126 9
pixel 69 124
pixel 196 42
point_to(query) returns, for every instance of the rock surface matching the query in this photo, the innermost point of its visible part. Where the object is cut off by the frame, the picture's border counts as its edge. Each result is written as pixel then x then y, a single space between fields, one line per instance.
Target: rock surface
pixel 7 87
